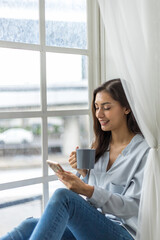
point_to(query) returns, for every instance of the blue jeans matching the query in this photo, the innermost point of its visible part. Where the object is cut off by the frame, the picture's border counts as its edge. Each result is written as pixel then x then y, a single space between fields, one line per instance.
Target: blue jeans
pixel 69 217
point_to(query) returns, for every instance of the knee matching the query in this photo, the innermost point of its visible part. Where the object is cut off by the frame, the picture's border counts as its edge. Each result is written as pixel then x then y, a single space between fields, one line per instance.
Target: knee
pixel 24 230
pixel 29 223
pixel 61 195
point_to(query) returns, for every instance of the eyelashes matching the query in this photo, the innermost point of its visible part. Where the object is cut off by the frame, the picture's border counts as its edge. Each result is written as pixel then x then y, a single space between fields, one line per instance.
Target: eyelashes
pixel 103 109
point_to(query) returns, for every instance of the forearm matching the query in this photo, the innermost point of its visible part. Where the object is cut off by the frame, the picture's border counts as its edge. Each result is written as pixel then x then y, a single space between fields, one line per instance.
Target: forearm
pixel 87 190
pixel 75 184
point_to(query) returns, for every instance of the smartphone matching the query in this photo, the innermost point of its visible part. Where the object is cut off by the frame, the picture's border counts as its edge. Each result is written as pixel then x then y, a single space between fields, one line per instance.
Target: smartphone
pixel 56 167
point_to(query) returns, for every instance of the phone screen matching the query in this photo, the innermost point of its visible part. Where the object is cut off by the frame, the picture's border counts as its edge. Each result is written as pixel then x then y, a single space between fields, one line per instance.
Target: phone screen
pixel 56 167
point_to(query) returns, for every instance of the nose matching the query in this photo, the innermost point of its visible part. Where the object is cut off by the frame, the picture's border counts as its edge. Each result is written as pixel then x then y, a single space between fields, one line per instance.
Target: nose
pixel 100 113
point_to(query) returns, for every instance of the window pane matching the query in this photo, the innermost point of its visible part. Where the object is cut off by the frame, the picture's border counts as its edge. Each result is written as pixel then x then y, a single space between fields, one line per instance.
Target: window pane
pixel 67 83
pixel 26 201
pixel 19 21
pixel 55 185
pixel 20 80
pixel 66 23
pixel 20 149
pixel 65 133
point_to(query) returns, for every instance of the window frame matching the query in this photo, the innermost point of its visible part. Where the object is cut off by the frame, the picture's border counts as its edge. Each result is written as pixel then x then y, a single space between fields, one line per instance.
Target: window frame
pixel 94 76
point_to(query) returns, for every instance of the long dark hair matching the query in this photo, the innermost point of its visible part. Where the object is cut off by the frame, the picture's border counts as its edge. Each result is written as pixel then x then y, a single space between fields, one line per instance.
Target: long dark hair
pixel 102 138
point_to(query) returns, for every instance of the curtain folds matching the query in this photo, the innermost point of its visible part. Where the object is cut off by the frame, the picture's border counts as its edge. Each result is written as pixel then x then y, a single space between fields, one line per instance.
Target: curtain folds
pixel 133 54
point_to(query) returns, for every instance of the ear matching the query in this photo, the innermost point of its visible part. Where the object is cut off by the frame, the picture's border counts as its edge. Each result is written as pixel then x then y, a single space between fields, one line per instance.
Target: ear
pixel 127 111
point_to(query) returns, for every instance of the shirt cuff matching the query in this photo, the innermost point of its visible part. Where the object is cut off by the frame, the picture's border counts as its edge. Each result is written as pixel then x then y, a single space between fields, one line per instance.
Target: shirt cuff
pixel 99 197
pixel 78 174
pixel 84 179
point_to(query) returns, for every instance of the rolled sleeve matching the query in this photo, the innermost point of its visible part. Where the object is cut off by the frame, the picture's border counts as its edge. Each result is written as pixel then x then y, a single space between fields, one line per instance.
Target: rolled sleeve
pixel 116 204
pixel 99 197
pixel 85 179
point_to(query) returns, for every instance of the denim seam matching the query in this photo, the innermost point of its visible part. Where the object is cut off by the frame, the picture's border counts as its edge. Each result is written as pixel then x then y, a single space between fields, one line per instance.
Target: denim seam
pixel 94 213
pixel 54 223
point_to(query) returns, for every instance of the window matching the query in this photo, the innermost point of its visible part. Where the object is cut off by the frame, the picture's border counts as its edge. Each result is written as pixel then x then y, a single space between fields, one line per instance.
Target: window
pixel 49 68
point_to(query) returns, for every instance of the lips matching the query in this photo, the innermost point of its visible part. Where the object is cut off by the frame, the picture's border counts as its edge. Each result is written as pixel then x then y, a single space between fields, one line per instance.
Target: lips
pixel 104 123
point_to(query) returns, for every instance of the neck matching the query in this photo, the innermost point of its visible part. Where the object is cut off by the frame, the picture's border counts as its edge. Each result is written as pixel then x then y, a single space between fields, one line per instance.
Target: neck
pixel 121 136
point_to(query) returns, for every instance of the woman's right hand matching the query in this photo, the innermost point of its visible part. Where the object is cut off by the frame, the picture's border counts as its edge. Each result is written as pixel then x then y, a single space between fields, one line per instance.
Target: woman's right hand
pixel 73 163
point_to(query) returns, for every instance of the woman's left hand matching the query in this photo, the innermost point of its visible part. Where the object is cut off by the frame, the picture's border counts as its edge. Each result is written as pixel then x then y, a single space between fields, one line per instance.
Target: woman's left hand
pixel 75 184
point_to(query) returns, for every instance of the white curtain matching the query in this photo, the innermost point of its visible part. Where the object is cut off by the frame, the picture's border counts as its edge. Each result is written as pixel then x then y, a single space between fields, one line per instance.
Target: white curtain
pixel 133 54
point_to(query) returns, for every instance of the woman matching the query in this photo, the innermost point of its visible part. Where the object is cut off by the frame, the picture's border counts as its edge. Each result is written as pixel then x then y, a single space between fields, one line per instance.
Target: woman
pixel 112 189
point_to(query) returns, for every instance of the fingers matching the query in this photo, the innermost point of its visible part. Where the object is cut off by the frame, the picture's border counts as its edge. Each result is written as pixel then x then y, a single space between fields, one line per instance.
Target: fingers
pixel 71 181
pixel 74 152
pixel 65 176
pixel 72 159
pixel 60 176
pixel 73 163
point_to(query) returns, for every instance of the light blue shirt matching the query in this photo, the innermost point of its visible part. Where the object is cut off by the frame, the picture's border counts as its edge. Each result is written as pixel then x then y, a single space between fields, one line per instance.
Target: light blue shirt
pixel 117 191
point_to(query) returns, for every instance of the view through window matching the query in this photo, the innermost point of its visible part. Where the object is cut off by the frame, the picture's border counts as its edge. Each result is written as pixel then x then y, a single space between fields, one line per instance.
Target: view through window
pixel 44 98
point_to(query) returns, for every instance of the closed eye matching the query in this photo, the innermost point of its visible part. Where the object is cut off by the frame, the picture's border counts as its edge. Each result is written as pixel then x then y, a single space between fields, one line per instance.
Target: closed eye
pixel 97 108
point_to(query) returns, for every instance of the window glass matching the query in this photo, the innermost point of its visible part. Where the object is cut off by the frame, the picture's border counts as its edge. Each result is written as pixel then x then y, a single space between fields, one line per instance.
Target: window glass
pixel 20 149
pixel 19 21
pixel 67 81
pixel 66 23
pixel 26 61
pixel 26 201
pixel 64 135
pixel 20 80
pixel 55 185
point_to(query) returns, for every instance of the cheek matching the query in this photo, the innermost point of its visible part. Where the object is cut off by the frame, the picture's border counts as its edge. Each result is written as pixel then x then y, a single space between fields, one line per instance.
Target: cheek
pixel 116 116
pixel 111 115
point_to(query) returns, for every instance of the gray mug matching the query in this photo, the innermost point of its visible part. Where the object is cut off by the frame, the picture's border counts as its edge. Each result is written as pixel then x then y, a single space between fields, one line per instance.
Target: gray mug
pixel 85 158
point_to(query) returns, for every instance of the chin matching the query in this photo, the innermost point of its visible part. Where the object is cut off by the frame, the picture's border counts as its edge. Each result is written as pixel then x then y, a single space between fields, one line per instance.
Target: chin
pixel 105 129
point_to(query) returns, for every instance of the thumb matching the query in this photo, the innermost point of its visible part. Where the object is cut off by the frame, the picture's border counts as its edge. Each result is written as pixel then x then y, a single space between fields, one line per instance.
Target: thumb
pixel 77 147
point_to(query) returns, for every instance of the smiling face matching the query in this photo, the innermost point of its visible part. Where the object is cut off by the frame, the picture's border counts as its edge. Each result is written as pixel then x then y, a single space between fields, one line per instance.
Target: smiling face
pixel 110 114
